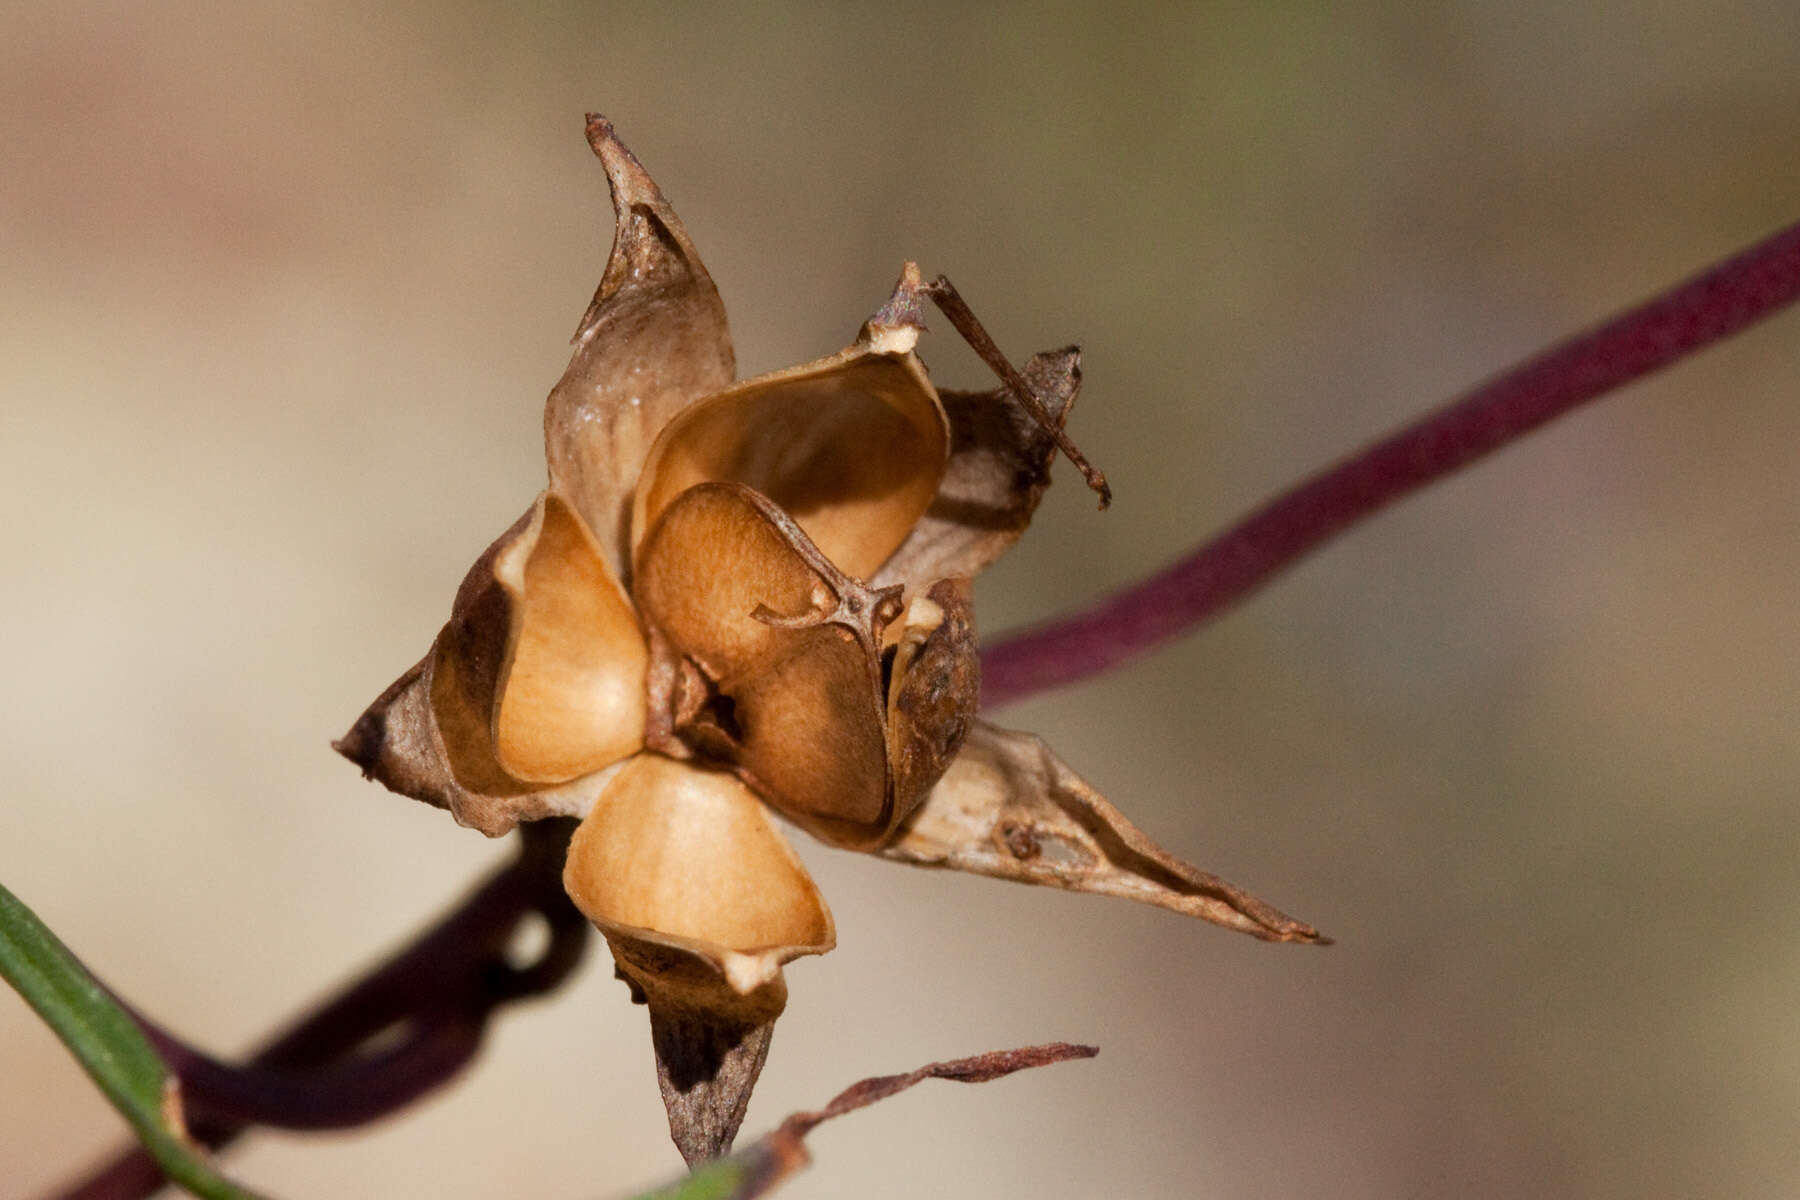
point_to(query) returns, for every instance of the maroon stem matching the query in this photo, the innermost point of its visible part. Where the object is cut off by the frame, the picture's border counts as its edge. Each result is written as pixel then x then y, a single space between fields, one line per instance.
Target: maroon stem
pixel 333 1069
pixel 1706 308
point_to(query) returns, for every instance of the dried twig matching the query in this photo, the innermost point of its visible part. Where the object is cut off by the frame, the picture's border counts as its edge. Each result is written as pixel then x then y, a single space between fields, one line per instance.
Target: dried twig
pixel 944 294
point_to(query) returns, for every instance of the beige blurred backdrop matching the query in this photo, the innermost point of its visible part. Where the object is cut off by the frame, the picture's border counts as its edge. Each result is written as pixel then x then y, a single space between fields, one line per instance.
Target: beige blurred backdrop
pixel 284 289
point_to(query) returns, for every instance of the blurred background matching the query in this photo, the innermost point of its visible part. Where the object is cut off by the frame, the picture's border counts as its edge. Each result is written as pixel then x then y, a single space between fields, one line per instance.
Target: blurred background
pixel 286 285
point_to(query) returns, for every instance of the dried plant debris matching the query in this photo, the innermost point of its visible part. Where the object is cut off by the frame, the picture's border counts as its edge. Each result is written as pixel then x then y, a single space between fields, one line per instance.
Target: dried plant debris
pixel 765 1164
pixel 741 598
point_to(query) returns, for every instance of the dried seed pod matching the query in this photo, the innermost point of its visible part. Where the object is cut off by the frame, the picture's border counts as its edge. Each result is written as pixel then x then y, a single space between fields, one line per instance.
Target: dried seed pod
pixel 1011 809
pixel 797 548
pixel 852 447
pixel 702 901
pixel 534 684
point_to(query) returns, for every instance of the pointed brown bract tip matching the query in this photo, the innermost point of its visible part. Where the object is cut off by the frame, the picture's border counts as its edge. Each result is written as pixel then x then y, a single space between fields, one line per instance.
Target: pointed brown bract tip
pixel 364 741
pixel 710 1039
pixel 362 744
pixel 706 1068
pixel 626 175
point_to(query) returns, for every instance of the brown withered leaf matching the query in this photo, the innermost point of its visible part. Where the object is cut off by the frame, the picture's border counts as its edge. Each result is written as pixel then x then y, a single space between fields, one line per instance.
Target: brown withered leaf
pixel 653 340
pixel 999 466
pixel 764 1165
pixel 540 662
pixel 1011 809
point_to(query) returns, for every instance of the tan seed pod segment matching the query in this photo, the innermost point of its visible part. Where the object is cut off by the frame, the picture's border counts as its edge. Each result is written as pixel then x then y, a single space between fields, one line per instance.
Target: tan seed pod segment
pixel 702 901
pixel 571 694
pixel 794 648
pixel 532 688
pixel 852 447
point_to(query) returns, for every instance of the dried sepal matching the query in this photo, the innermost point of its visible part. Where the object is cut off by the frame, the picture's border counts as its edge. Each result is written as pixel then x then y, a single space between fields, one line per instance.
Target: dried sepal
pixel 1009 808
pixel 852 447
pixel 653 340
pixel 707 1065
pixel 533 685
pixel 702 901
pixel 999 466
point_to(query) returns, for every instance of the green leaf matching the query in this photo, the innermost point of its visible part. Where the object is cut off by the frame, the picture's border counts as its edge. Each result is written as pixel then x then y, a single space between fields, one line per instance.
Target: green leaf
pixel 107 1043
pixel 720 1180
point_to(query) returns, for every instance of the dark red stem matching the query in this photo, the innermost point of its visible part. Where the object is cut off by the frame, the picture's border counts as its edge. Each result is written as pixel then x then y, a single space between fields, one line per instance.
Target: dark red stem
pixel 1710 306
pixel 401 1031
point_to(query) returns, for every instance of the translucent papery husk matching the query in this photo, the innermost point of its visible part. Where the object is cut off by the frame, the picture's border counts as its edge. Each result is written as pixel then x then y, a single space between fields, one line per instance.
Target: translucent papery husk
pixel 653 341
pixel 998 468
pixel 534 686
pixel 793 647
pixel 702 901
pixel 1009 808
pixel 852 447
